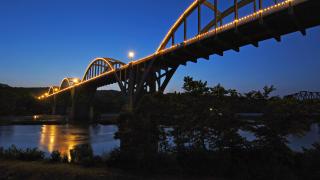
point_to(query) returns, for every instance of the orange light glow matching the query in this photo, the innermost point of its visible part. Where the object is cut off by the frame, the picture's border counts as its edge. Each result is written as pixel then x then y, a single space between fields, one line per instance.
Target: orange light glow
pixel 76 80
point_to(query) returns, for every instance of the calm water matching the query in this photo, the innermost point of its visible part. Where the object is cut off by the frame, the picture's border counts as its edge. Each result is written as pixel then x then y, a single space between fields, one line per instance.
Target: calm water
pixel 60 137
pixel 295 142
pixel 101 137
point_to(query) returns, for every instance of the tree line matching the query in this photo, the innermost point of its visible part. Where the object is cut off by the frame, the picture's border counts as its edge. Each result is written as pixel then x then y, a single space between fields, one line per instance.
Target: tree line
pixel 198 132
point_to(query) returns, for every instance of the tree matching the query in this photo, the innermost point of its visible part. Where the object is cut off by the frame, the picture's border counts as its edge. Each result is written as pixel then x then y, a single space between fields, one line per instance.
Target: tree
pixel 254 95
pixel 233 93
pixel 218 91
pixel 267 91
pixel 195 87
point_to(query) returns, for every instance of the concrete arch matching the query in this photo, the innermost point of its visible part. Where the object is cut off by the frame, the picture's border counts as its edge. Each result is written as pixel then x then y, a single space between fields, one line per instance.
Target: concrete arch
pixel 53 89
pixel 68 82
pixel 193 7
pixel 100 66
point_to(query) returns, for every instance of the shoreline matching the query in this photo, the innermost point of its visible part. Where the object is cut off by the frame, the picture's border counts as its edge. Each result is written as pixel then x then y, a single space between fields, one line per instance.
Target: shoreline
pixel 106 119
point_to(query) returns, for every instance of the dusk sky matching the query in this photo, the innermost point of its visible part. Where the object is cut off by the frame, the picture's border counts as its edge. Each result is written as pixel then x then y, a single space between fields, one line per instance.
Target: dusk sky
pixel 43 41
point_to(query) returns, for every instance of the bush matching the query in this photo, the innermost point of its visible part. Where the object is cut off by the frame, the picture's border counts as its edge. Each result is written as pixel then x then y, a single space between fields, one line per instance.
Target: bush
pixel 1 152
pixel 26 155
pixel 55 156
pixel 82 154
pixel 65 158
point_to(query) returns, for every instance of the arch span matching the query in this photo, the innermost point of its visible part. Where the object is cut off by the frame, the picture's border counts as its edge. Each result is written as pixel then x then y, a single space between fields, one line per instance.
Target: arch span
pixel 53 89
pixel 101 65
pixel 217 19
pixel 67 82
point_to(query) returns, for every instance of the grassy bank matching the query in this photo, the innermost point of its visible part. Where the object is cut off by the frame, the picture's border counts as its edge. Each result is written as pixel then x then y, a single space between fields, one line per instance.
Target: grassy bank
pixel 12 169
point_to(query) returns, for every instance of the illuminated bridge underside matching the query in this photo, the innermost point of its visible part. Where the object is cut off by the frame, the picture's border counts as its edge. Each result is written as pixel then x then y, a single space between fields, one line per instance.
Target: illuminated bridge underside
pixel 152 73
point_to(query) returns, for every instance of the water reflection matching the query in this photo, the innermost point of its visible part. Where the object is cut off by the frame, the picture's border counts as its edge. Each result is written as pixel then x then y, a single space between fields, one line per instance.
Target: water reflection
pixel 62 139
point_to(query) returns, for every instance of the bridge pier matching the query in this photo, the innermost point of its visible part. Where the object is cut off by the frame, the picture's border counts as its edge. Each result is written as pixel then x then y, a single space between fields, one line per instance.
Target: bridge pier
pixel 81 107
pixel 54 105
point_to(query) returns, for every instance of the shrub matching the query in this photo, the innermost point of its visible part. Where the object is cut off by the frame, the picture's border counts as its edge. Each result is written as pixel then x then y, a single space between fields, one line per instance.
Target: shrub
pixel 55 156
pixel 82 154
pixel 65 158
pixel 1 152
pixel 27 155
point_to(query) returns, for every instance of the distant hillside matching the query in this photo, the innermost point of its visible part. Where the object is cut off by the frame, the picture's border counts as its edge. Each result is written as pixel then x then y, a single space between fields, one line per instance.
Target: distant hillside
pixel 21 101
pixel 4 85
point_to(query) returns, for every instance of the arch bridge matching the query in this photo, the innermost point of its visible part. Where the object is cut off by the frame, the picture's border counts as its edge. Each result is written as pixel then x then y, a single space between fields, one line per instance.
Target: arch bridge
pixel 242 23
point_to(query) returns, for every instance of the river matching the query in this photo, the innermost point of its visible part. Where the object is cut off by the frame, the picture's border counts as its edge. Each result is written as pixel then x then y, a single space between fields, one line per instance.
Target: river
pixel 101 137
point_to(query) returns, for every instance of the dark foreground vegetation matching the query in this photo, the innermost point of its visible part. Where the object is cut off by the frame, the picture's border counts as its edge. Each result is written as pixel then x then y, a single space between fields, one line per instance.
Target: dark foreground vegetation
pixel 18 163
pixel 198 134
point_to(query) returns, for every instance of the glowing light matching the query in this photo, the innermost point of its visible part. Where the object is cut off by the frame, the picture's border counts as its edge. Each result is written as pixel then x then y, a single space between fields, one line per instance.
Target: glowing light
pixel 56 89
pixel 131 54
pixel 76 80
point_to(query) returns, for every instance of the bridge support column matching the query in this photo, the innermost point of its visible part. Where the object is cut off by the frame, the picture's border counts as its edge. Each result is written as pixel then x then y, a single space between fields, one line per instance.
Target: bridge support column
pixel 72 109
pixel 91 113
pixel 54 105
pixel 81 108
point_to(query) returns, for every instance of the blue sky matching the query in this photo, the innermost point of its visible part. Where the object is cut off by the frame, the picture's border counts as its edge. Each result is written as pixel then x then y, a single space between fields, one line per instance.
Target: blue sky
pixel 43 41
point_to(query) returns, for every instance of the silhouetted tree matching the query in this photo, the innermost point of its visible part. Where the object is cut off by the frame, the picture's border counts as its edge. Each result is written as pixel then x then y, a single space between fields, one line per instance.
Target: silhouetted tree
pixel 194 87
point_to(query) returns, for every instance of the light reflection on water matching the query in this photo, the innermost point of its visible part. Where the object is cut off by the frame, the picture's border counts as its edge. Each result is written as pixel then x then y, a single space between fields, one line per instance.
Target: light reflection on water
pixel 60 137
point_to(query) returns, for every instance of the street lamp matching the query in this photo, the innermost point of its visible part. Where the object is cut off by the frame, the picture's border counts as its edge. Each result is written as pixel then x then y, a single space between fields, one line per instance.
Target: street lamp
pixel 131 55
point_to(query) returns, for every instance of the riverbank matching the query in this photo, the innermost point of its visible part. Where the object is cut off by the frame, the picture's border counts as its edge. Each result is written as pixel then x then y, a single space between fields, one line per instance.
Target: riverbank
pixel 104 119
pixel 11 169
pixel 33 120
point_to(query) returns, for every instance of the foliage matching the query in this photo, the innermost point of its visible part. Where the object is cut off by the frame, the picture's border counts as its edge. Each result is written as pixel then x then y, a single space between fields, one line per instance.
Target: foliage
pixel 82 154
pixel 55 156
pixel 197 132
pixel 195 87
pixel 21 154
pixel 22 101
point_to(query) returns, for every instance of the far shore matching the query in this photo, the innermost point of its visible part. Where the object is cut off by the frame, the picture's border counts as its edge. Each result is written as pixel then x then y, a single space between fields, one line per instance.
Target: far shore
pixel 104 119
